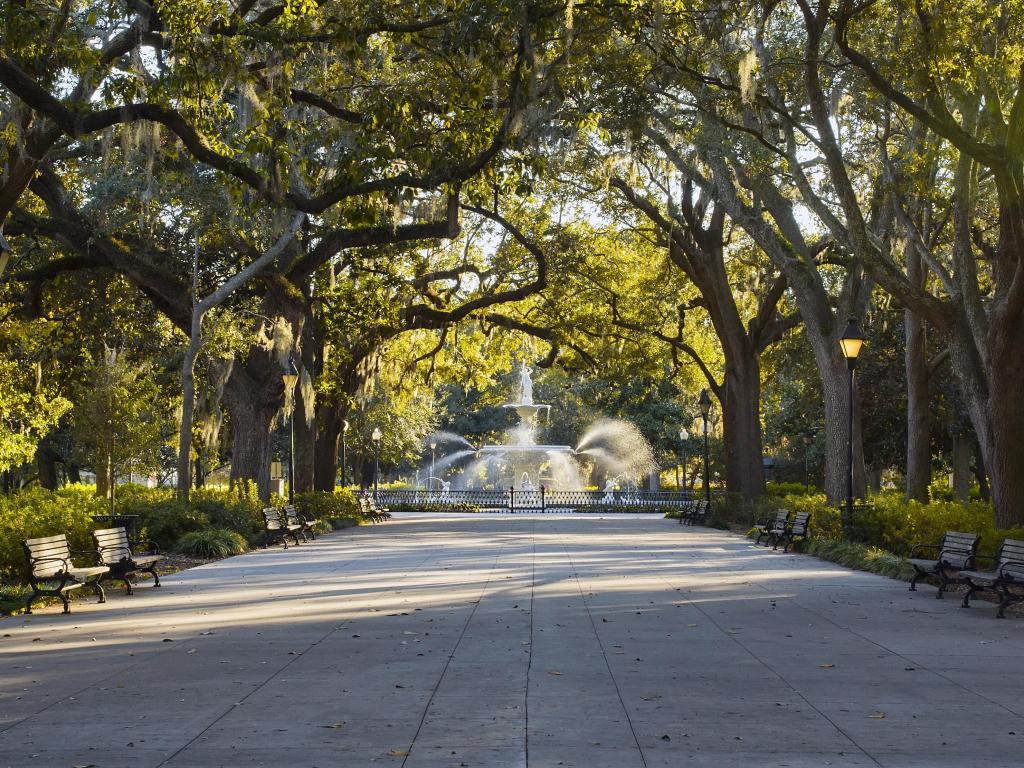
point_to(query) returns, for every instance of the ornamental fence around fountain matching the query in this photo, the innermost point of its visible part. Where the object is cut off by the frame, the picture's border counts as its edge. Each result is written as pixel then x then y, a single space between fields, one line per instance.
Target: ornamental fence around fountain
pixel 529 500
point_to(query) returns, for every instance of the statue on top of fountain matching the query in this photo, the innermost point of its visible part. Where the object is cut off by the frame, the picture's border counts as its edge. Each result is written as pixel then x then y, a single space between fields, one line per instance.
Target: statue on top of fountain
pixel 525 385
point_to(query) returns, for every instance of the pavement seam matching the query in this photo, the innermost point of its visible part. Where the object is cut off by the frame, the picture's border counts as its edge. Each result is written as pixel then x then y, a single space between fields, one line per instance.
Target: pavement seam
pixel 125 670
pixel 882 646
pixel 273 675
pixel 455 648
pixel 529 661
pixel 604 655
pixel 764 664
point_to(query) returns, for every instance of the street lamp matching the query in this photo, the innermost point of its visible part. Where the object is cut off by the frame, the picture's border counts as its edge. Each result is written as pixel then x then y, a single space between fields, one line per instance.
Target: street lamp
pixel 684 435
pixel 376 436
pixel 705 408
pixel 433 448
pixel 344 463
pixel 290 377
pixel 850 343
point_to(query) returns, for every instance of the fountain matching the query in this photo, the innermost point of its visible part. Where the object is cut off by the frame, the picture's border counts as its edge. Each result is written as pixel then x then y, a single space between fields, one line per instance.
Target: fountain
pixel 616 447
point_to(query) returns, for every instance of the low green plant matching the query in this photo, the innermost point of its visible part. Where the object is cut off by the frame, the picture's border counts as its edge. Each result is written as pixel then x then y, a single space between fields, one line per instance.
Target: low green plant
pixel 238 508
pixel 212 542
pixel 36 512
pixel 863 557
pixel 322 505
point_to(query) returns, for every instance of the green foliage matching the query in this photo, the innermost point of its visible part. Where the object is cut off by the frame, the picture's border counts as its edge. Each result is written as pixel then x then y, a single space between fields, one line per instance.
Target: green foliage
pixel 897 525
pixel 238 509
pixel 37 512
pixel 30 405
pixel 863 557
pixel 212 542
pixel 341 503
pixel 162 517
pixel 120 423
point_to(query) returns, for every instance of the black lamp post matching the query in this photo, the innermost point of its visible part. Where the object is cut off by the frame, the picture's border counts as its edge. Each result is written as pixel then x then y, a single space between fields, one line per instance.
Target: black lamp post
pixel 376 436
pixel 850 343
pixel 705 408
pixel 684 435
pixel 344 463
pixel 290 378
pixel 433 449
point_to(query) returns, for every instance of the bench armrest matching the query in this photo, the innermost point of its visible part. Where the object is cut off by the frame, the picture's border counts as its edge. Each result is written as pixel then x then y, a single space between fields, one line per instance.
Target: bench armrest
pixel 920 548
pixel 146 546
pixel 1014 563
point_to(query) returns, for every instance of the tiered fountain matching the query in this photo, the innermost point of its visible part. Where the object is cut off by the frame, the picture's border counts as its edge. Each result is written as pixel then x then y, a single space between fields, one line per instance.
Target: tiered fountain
pixel 521 463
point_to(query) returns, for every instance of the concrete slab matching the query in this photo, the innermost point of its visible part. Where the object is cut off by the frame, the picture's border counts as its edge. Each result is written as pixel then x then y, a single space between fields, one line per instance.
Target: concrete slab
pixel 525 640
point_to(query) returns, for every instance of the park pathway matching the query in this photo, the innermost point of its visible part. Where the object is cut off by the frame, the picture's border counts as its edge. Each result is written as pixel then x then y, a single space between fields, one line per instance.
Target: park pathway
pixel 504 641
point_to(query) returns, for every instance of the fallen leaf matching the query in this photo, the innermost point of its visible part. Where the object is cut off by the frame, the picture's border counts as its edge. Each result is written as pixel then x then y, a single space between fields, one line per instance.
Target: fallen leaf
pixel 399 753
pixel 826 666
pixel 334 725
pixel 553 672
pixel 877 716
pixel 191 650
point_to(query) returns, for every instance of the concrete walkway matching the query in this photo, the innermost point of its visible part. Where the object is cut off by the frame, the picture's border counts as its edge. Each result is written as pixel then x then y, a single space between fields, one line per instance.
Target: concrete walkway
pixel 615 642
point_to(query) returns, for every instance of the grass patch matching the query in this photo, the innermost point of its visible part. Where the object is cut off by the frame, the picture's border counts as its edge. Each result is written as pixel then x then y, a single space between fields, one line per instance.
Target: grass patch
pixel 852 554
pixel 213 542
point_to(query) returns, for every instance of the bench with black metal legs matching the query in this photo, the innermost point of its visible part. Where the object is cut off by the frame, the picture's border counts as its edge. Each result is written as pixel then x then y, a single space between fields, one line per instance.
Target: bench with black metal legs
pixel 372 511
pixel 305 524
pixel 697 512
pixel 50 562
pixel 277 527
pixel 773 528
pixel 795 530
pixel 122 560
pixel 1006 581
pixel 955 553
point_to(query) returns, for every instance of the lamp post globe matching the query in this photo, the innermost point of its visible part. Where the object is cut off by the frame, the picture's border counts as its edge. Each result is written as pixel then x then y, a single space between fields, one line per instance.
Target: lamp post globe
pixel 705 410
pixel 850 343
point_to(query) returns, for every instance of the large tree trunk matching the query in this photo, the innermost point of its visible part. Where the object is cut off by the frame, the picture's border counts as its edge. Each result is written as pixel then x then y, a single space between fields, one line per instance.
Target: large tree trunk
pixel 961 461
pixel 744 469
pixel 1006 456
pixel 919 459
pixel 252 405
pixel 46 465
pixel 329 424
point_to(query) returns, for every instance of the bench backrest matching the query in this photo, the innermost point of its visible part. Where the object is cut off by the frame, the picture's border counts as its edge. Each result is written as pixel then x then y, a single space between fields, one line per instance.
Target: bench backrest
pixel 112 544
pixel 958 549
pixel 778 523
pixel 800 523
pixel 291 515
pixel 48 556
pixel 273 520
pixel 1011 559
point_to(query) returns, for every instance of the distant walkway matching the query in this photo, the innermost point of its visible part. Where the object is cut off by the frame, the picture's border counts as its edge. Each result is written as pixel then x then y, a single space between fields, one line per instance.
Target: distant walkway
pixel 597 642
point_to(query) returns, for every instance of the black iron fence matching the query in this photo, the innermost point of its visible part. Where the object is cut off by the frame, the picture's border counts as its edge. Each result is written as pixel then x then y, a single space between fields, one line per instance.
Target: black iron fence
pixel 515 500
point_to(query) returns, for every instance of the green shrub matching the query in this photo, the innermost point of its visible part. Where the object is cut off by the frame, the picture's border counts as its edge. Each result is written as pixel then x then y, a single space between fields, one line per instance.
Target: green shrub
pixel 325 506
pixel 897 525
pixel 212 542
pixel 238 509
pixel 787 489
pixel 38 512
pixel 860 556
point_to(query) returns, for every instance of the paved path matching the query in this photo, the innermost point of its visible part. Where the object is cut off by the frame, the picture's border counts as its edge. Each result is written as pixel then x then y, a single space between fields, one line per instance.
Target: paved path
pixel 618 642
